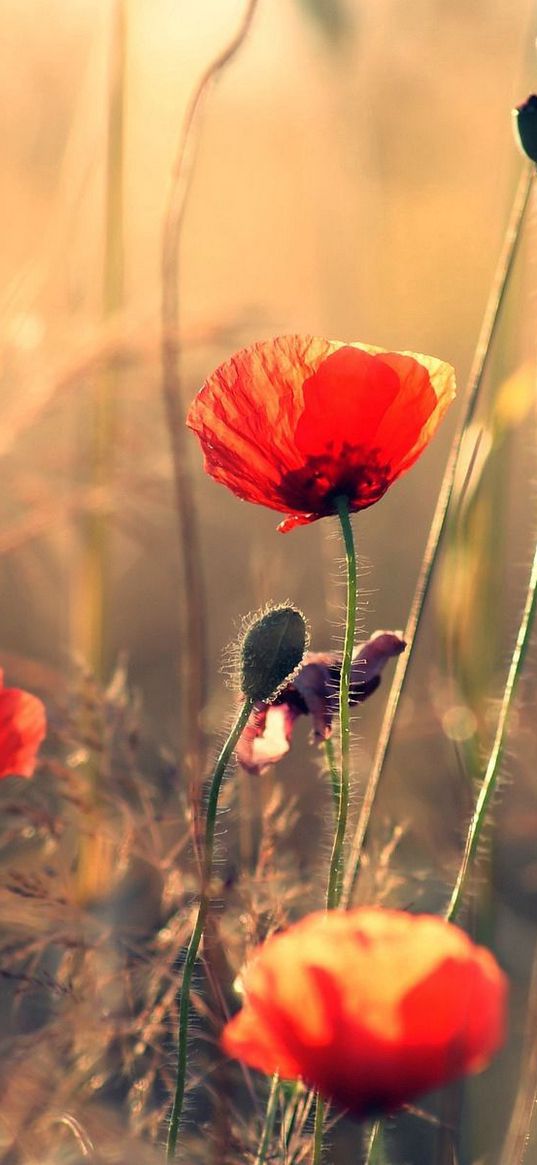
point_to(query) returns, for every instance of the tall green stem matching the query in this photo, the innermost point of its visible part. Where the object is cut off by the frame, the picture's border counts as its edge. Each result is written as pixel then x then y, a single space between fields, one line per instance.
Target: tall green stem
pixel 489 780
pixel 475 380
pixel 340 787
pixel 335 879
pixel 203 909
pixel 335 780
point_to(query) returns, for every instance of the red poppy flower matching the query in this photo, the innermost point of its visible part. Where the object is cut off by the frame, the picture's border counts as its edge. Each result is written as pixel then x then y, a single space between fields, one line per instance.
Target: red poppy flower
pixel 22 728
pixel 372 1007
pixel 293 423
pixel 313 691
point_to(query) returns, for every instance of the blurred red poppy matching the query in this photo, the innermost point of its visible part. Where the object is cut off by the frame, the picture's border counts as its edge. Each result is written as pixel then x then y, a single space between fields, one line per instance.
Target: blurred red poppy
pixel 22 728
pixel 313 691
pixel 295 422
pixel 372 1007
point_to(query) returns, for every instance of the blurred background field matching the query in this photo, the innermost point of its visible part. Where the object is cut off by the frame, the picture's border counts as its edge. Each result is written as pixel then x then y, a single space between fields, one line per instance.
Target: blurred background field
pixel 352 176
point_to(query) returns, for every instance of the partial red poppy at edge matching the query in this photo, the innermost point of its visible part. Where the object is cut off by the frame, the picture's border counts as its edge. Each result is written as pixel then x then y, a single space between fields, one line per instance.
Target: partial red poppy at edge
pixel 295 422
pixel 22 729
pixel 372 1007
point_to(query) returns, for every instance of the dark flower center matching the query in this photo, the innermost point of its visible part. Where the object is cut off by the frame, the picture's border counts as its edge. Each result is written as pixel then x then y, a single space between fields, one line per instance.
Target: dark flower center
pixel 314 487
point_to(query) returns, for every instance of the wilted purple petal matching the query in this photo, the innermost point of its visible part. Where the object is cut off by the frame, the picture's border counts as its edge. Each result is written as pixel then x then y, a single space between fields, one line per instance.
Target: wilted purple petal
pixel 314 692
pixel 368 661
pixel 314 686
pixel 267 737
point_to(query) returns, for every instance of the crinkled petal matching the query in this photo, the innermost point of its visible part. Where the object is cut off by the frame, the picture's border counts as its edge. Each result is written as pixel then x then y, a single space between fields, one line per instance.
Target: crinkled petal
pixel 313 691
pixel 368 662
pixel 246 414
pixel 314 687
pixel 267 737
pixel 293 423
pixel 295 520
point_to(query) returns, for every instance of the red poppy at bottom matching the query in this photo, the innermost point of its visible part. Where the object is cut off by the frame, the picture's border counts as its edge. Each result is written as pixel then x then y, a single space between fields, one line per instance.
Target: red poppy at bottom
pixel 22 729
pixel 372 1007
pixel 296 422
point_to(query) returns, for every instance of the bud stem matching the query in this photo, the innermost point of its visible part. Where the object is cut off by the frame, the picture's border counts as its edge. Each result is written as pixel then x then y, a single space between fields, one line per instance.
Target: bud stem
pixel 203 910
pixel 270 1117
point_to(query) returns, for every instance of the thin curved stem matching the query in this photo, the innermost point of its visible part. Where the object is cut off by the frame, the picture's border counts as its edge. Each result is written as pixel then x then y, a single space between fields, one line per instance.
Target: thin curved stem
pixel 203 909
pixel 495 759
pixel 335 879
pixel 194 667
pixel 296 1115
pixel 297 1098
pixel 80 1134
pixel 374 1145
pixel 91 598
pixel 270 1117
pixel 519 1131
pixel 481 356
pixel 92 621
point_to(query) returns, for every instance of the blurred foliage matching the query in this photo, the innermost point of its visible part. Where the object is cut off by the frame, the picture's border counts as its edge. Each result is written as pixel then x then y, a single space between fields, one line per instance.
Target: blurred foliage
pixel 332 17
pixel 473 572
pixel 90 967
pixel 353 202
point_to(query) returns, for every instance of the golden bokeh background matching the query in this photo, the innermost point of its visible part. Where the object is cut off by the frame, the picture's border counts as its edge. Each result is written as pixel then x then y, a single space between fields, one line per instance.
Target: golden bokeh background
pixel 351 175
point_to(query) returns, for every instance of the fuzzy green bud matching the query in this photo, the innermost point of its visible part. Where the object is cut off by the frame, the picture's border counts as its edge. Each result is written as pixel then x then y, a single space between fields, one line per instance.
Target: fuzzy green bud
pixel 525 124
pixel 271 651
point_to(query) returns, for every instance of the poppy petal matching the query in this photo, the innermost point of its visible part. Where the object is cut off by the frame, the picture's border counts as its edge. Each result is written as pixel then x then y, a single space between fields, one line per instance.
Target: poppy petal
pixel 369 660
pixel 267 737
pixel 314 692
pixel 427 389
pixel 345 401
pixel 295 520
pixel 22 729
pixel 372 1007
pixel 295 422
pixel 247 1037
pixel 246 413
pixel 315 687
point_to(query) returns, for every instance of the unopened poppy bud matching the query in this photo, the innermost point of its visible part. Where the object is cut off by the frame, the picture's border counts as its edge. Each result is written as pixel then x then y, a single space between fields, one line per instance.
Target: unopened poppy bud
pixel 271 651
pixel 525 125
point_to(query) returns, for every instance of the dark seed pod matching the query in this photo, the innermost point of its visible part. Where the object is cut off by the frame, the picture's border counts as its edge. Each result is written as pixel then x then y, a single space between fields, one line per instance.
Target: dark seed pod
pixel 525 124
pixel 271 651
